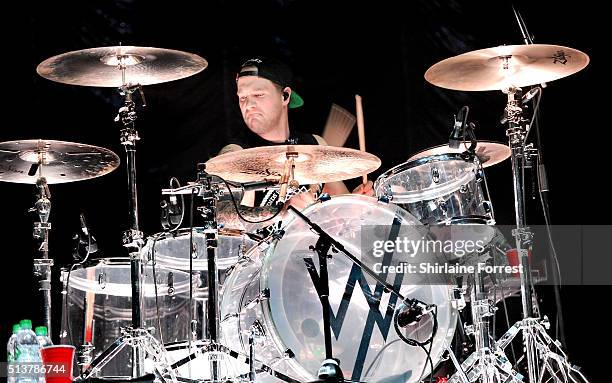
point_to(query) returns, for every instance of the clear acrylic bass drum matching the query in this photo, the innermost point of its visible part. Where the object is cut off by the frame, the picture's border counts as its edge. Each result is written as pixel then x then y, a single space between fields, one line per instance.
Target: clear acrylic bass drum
pixel 272 291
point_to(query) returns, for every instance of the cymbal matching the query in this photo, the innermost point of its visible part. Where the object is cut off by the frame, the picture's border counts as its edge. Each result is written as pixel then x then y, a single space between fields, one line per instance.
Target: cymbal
pixel 506 66
pixel 101 67
pixel 313 164
pixel 488 152
pixel 58 161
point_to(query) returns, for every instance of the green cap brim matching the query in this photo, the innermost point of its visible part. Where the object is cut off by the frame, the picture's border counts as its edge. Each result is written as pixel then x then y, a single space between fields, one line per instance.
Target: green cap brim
pixel 295 101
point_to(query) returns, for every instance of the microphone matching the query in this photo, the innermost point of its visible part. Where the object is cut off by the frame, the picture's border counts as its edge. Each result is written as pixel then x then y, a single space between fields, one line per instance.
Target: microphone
pixel 171 213
pixel 458 131
pixel 84 241
pixel 412 311
pixel 83 224
pixel 531 94
pixel 258 185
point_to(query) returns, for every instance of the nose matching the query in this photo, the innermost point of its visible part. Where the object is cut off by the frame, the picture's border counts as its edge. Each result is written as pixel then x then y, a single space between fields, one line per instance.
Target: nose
pixel 250 103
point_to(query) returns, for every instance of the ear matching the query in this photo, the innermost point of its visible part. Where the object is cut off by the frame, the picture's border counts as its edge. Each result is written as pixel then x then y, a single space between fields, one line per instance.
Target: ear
pixel 286 94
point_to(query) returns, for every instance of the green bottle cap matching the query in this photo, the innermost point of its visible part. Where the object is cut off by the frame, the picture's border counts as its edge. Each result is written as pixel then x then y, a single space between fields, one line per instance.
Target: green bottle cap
pixel 26 324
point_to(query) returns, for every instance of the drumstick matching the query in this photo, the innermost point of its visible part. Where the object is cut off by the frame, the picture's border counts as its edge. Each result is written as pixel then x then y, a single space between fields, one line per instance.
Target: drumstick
pixel 361 131
pixel 90 298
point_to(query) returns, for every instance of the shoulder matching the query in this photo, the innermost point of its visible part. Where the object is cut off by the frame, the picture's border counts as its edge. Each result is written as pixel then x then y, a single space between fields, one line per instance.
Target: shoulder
pixel 230 148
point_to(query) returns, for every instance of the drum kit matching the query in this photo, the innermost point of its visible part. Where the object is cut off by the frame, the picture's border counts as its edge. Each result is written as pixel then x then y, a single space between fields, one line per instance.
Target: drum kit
pixel 208 302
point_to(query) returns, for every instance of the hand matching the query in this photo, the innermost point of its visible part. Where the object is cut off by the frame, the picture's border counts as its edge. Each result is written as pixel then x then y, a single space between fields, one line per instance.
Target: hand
pixel 367 189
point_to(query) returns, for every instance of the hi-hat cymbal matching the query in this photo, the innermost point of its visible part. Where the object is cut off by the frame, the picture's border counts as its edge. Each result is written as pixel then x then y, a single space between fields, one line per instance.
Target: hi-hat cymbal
pixel 313 164
pixel 101 67
pixel 58 161
pixel 506 66
pixel 489 153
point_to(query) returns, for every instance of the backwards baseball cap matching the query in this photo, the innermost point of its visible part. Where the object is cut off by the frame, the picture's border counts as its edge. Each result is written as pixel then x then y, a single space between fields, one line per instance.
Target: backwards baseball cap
pixel 273 70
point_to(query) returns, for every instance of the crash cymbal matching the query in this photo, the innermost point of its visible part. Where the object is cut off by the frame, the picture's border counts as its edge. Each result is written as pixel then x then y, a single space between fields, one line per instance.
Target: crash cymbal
pixel 489 153
pixel 506 66
pixel 101 67
pixel 58 161
pixel 313 164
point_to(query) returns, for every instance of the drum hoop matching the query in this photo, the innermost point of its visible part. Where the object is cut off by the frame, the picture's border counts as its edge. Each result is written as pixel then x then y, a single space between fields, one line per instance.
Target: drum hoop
pixel 76 284
pixel 465 157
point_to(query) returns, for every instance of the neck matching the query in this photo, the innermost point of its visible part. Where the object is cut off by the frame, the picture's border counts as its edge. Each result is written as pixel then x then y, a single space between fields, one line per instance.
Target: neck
pixel 280 132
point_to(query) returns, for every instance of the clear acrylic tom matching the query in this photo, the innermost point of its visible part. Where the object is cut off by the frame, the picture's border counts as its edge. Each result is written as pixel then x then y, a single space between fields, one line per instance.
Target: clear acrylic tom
pixel 271 290
pixel 442 188
pixel 97 304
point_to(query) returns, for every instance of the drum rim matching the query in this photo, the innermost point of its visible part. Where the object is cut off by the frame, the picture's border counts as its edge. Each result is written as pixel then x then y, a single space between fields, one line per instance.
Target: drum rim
pixel 84 285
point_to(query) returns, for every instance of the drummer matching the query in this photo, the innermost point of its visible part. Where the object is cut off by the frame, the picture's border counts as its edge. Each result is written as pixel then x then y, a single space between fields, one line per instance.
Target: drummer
pixel 265 95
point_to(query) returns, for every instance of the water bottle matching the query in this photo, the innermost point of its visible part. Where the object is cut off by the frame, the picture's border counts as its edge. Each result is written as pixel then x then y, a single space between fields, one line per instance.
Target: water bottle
pixel 10 349
pixel 10 346
pixel 41 335
pixel 27 350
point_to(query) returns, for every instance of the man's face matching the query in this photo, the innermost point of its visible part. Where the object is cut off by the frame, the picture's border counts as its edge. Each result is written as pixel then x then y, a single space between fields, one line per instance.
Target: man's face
pixel 261 103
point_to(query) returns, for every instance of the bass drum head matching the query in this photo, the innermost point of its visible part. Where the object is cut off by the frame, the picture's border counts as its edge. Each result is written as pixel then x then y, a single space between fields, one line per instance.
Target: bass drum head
pixel 363 334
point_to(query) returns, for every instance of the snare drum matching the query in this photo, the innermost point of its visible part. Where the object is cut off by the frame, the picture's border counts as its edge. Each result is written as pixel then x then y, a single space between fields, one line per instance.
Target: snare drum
pixel 442 188
pixel 271 291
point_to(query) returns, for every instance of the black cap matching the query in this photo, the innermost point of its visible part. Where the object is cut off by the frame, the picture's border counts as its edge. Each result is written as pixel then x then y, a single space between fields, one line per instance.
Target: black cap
pixel 273 70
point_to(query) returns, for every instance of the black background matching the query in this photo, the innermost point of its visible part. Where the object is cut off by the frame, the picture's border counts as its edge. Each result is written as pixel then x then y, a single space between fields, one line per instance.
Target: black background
pixel 378 50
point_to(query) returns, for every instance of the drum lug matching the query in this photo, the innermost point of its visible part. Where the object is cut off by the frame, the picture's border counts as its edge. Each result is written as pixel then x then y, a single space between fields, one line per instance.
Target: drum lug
pixel 435 175
pixel 262 296
pixel 170 283
pixel 458 300
pixel 469 329
pixel 257 330
pixel 102 280
pixel 385 198
pixel 288 354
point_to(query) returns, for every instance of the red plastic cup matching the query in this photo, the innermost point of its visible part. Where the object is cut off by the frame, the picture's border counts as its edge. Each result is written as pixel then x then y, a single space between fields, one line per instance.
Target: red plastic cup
pixel 513 258
pixel 57 361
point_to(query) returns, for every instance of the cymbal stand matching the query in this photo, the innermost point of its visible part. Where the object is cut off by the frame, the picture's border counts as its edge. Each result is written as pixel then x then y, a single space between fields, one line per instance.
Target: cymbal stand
pixel 142 343
pixel 488 362
pixel 218 356
pixel 537 343
pixel 42 266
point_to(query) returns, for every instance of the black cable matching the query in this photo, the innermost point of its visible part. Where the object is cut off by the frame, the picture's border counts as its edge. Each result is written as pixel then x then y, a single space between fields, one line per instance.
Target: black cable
pixel 414 342
pixel 535 122
pixel 182 205
pixel 67 318
pixel 428 353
